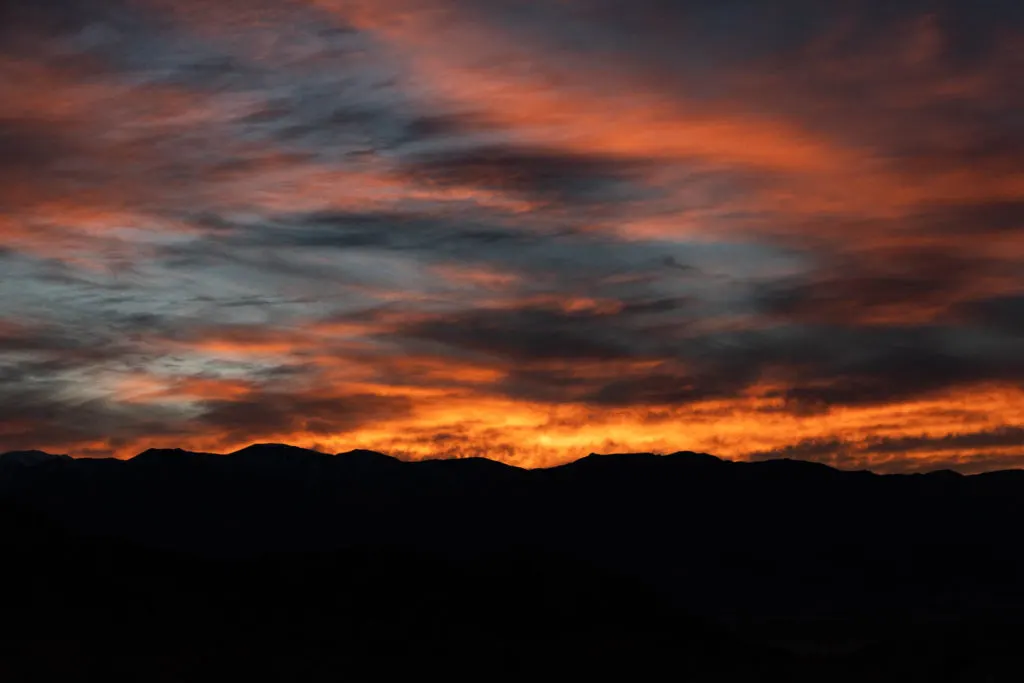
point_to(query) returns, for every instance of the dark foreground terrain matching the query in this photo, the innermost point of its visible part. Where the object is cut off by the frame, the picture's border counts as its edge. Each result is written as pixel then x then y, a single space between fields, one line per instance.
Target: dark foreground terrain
pixel 275 563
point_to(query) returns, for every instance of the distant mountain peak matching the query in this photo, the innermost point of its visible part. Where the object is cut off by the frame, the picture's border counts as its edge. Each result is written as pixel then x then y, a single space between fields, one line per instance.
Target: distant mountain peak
pixel 364 455
pixel 693 456
pixel 155 454
pixel 162 451
pixel 609 457
pixel 796 465
pixel 944 474
pixel 472 459
pixel 274 449
pixel 363 452
pixel 613 459
pixel 30 458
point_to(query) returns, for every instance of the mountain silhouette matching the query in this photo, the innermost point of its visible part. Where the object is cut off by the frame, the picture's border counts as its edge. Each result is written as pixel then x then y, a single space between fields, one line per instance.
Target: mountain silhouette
pixel 29 458
pixel 741 569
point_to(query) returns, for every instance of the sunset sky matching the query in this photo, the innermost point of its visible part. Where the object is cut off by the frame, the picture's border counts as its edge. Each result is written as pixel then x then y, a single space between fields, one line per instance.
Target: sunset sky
pixel 519 229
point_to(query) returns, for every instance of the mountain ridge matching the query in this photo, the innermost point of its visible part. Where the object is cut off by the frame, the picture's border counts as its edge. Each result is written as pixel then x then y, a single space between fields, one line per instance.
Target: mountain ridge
pixel 796 549
pixel 28 458
pixel 270 449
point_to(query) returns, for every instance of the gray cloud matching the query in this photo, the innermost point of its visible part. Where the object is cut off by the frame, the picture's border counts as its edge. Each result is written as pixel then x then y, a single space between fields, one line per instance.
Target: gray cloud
pixel 271 413
pixel 885 453
pixel 1004 313
pixel 547 175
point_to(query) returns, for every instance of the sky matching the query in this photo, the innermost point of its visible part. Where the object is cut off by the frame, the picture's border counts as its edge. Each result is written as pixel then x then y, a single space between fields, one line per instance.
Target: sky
pixel 516 229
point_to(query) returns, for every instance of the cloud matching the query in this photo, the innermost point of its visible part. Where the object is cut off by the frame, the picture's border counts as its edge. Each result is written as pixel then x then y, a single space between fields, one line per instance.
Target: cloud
pixel 1003 313
pixel 967 452
pixel 541 229
pixel 1001 436
pixel 526 334
pixel 274 414
pixel 547 175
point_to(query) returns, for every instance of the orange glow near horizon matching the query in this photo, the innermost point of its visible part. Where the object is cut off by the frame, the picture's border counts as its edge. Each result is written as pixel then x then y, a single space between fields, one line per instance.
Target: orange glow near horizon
pixel 466 423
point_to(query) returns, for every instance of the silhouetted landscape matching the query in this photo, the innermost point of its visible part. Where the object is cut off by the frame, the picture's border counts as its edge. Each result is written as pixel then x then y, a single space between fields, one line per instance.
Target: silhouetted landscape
pixel 289 564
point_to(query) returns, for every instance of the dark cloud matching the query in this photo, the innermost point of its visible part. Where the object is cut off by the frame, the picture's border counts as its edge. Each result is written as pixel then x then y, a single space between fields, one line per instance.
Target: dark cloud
pixel 545 258
pixel 50 389
pixel 550 175
pixel 929 84
pixel 28 147
pixel 818 450
pixel 97 35
pixel 1001 436
pixel 665 387
pixel 32 150
pixel 58 346
pixel 274 413
pixel 57 392
pixel 989 219
pixel 661 37
pixel 885 375
pixel 53 17
pixel 823 366
pixel 530 334
pixel 41 405
pixel 418 233
pixel 889 453
pixel 1003 313
pixel 886 285
pixel 393 231
pixel 975 463
pixel 889 365
pixel 441 126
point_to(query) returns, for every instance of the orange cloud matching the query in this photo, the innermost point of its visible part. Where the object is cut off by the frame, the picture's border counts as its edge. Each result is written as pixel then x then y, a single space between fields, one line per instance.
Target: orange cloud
pixel 475 68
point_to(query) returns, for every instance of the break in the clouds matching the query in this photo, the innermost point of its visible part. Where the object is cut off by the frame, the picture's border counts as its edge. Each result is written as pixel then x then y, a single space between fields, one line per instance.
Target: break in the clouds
pixel 526 230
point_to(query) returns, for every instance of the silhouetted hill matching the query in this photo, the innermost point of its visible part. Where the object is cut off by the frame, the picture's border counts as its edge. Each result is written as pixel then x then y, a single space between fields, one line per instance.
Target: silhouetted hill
pixel 85 609
pixel 29 458
pixel 894 568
